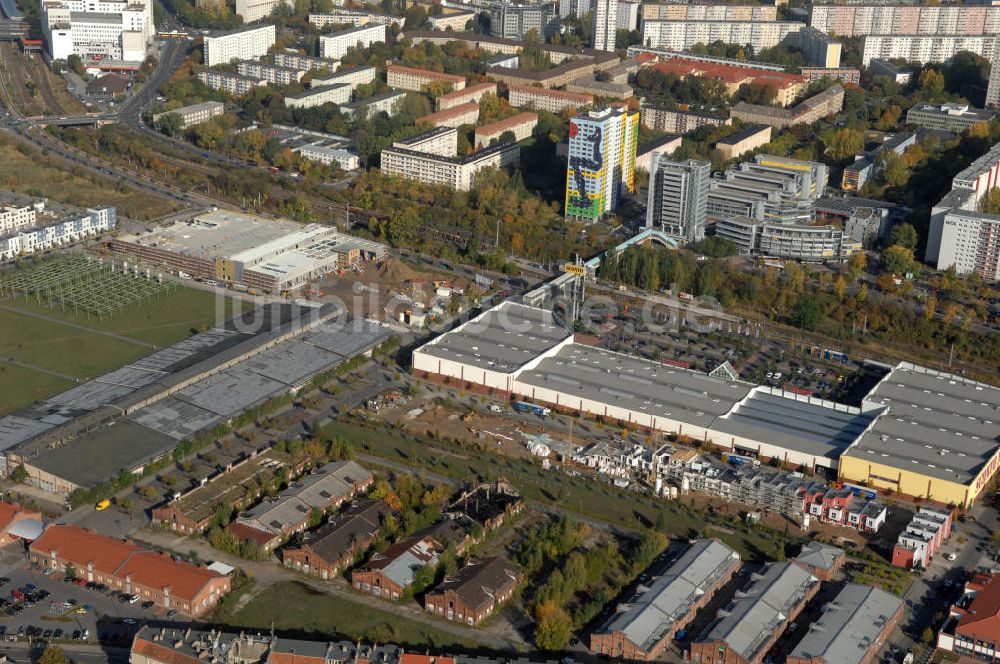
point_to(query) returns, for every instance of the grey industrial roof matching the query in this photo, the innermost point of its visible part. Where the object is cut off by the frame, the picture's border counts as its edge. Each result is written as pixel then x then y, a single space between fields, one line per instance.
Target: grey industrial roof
pixel 501 339
pixel 638 384
pixel 849 625
pixel 804 426
pixel 647 616
pixel 937 424
pixel 819 555
pixel 749 622
pixel 90 459
pixel 848 204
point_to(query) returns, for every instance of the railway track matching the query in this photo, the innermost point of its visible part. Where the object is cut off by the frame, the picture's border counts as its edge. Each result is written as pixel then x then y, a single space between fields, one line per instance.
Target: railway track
pixel 41 76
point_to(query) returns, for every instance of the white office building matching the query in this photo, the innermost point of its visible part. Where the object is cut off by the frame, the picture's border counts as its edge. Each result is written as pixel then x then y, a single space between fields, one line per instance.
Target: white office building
pixel 336 44
pixel 243 44
pixel 102 29
pixel 605 24
pixel 678 197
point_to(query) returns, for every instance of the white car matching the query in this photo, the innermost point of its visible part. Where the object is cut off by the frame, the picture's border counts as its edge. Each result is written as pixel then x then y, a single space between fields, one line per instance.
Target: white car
pixel 950 556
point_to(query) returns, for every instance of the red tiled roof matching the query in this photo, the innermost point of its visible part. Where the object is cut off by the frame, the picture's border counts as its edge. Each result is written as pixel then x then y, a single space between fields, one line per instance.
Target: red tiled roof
pixel 449 113
pixel 426 73
pixel 413 658
pixel 122 558
pixel 503 125
pixel 469 90
pixel 162 653
pixel 547 92
pixel 728 73
pixel 7 513
pixel 983 618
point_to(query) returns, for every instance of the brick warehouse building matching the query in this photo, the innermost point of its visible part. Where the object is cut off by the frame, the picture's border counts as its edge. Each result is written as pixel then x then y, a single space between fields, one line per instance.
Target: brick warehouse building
pixel 642 628
pixel 389 574
pixel 331 547
pixel 474 592
pixel 127 567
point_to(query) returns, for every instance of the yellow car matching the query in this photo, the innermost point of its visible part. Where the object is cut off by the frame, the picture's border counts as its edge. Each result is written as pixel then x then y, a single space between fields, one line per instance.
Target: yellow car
pixel 103 505
pixel 80 609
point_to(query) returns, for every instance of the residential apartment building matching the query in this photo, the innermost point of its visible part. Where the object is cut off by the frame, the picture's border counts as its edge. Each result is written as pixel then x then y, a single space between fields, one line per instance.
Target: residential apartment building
pixel 952 117
pixel 654 11
pixel 746 629
pixel 16 217
pixel 274 520
pixel 511 20
pixel 126 567
pixel 601 89
pixel 339 16
pixel 451 20
pixel 521 125
pixel 857 174
pixel 474 592
pixel 242 44
pixel 336 44
pixel 390 573
pixel 643 627
pixel 745 140
pixel 471 93
pixel 673 121
pixel 800 242
pixel 846 507
pixel 818 48
pixel 456 116
pixel 842 74
pixel 923 538
pixel 960 234
pixel 388 103
pixel 644 153
pixel 601 164
pixel 678 197
pixel 195 113
pixel 605 24
pixel 681 35
pixel 542 99
pixel 993 87
pixel 926 48
pixel 234 84
pixel 972 629
pixel 875 18
pixel 455 172
pixel 270 73
pixel 328 94
pixel 255 10
pixel 296 60
pixel 353 77
pixel 326 551
pixel 808 111
pixel 417 80
pixel 852 628
pixel 34 239
pixel 628 15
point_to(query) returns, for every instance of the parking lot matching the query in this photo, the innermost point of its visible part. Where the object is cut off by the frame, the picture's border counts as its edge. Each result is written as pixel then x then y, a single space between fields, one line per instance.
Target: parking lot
pixel 56 610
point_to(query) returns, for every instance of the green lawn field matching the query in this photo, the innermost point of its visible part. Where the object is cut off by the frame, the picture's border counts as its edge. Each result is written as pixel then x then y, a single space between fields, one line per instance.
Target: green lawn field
pixel 308 613
pixel 159 321
pixel 21 387
pixel 85 353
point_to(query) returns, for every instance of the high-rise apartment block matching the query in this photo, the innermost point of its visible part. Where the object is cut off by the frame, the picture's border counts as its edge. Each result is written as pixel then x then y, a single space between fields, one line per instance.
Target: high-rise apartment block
pixel 876 18
pixel 681 35
pixel 940 47
pixel 242 44
pixel 602 146
pixel 605 24
pixel 678 197
pixel 335 45
pixel 993 89
pixel 255 10
pixel 511 20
